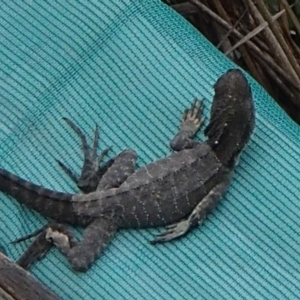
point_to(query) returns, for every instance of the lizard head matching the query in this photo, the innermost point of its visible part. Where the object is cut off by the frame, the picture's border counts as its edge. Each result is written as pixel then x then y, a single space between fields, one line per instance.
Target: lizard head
pixel 232 117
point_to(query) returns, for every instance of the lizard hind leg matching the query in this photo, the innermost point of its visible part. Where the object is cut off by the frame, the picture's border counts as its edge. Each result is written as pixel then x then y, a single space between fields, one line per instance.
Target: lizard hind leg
pixel 191 122
pixel 40 246
pixel 95 238
pixel 81 254
pixel 100 231
pixel 119 171
pixel 96 235
pixel 91 171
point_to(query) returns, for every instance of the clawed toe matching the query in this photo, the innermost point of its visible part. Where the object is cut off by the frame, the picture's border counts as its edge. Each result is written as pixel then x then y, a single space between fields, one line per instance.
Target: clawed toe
pixel 192 118
pixel 68 171
pixel 100 157
pixel 91 171
pixel 173 231
pixel 30 235
pixel 166 236
pixel 194 113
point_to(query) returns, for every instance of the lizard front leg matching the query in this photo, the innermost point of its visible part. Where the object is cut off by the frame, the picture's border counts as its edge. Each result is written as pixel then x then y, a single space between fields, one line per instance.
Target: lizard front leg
pixel 190 124
pixel 197 216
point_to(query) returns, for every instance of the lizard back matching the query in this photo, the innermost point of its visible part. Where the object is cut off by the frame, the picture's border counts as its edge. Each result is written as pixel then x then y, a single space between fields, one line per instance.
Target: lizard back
pixel 159 193
pixel 167 190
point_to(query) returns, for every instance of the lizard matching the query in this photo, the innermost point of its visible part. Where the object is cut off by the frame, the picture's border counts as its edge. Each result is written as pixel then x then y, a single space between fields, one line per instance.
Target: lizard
pixel 177 191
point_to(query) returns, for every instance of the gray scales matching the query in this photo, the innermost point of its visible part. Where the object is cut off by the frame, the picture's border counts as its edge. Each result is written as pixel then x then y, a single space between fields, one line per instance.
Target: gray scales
pixel 177 191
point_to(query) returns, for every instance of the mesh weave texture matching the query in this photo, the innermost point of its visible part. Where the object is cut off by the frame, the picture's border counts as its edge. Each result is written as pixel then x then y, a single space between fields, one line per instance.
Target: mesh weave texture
pixel 132 67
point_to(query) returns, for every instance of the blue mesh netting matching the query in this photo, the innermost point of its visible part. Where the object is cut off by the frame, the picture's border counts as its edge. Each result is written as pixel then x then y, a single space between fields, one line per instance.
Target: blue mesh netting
pixel 131 67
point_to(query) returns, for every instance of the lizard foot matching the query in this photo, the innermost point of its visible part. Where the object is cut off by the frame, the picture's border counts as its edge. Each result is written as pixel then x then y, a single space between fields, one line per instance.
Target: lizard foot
pixel 47 236
pixel 191 119
pixel 91 172
pixel 173 231
pixel 38 248
pixel 61 237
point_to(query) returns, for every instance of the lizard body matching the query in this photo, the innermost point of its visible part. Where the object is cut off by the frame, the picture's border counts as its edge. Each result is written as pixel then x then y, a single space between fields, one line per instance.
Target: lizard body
pixel 178 190
pixel 158 194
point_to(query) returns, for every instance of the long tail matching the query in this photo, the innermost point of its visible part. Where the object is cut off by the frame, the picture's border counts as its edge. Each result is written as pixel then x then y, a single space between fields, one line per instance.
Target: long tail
pixel 47 202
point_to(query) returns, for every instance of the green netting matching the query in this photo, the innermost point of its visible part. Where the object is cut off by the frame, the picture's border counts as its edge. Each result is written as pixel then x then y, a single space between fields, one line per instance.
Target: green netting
pixel 131 67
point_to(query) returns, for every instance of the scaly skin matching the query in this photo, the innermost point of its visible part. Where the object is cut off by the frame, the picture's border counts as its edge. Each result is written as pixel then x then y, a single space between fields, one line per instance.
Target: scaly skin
pixel 178 190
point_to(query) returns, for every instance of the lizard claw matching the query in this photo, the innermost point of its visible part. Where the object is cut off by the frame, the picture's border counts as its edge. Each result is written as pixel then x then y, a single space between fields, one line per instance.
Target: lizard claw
pixel 30 235
pixel 68 171
pixel 91 172
pixel 173 231
pixel 191 119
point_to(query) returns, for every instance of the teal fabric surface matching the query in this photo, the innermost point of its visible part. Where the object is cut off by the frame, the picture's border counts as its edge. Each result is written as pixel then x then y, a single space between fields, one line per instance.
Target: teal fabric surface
pixel 132 67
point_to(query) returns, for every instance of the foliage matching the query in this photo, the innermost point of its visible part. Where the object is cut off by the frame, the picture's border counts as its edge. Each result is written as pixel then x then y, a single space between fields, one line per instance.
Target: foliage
pixel 263 37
